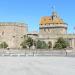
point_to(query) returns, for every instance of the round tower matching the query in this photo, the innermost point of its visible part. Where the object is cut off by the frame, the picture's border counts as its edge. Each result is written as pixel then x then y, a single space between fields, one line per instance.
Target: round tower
pixel 52 25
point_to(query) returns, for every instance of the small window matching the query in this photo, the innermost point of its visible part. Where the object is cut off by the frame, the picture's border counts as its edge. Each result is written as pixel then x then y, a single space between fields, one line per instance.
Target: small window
pixel 49 19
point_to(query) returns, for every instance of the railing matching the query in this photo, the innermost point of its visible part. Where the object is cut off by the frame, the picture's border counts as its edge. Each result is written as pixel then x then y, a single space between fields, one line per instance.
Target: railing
pixel 36 52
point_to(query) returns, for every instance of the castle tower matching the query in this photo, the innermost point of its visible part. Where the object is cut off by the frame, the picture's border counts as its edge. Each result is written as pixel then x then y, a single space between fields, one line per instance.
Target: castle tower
pixel 52 25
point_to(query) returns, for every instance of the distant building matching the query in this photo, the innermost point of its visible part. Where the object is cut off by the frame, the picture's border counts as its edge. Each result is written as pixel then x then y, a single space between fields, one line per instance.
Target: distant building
pixel 12 33
pixel 52 27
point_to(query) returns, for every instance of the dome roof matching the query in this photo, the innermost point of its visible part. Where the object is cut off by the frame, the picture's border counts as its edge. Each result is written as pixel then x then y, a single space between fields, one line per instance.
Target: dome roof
pixel 54 19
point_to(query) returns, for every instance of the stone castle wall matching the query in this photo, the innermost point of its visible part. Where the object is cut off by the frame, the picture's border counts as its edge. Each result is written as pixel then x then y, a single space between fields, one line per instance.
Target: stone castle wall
pixel 12 33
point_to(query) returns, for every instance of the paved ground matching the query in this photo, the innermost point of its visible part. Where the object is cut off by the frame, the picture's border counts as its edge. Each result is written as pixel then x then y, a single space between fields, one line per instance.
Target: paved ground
pixel 37 66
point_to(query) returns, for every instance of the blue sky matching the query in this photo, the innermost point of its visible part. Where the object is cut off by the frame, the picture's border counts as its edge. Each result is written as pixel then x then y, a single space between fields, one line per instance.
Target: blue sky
pixel 30 11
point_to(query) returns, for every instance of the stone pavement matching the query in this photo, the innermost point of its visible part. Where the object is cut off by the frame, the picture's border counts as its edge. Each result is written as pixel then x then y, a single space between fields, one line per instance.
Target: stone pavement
pixel 37 66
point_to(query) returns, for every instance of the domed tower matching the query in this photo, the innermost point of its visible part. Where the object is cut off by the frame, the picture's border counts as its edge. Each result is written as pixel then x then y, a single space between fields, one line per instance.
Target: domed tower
pixel 52 25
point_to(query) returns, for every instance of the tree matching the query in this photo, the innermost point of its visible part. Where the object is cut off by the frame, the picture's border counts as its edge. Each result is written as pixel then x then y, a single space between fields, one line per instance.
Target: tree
pixel 23 44
pixel 58 46
pixel 27 42
pixel 41 45
pixel 44 45
pixel 49 44
pixel 3 45
pixel 61 43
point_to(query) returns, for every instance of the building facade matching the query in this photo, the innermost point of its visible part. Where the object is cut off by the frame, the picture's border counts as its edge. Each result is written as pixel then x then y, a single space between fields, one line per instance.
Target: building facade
pixel 52 27
pixel 12 33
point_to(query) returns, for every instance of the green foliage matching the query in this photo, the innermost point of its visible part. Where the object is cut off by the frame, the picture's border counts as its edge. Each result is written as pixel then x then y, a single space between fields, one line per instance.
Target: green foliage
pixel 23 44
pixel 41 45
pixel 3 45
pixel 28 42
pixel 49 44
pixel 61 44
pixel 58 46
pixel 44 45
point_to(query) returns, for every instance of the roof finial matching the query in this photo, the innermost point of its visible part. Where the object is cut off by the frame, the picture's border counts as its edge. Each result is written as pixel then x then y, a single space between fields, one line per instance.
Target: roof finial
pixel 54 14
